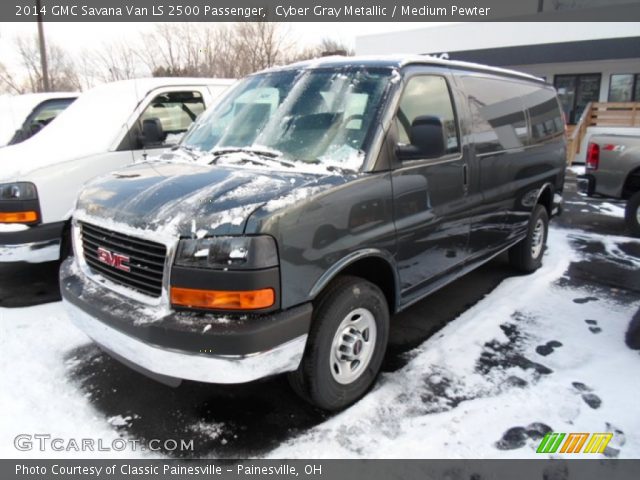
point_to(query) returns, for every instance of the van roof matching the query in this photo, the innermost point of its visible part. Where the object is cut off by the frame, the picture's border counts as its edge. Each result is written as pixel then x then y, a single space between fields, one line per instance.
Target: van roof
pixel 143 85
pixel 399 61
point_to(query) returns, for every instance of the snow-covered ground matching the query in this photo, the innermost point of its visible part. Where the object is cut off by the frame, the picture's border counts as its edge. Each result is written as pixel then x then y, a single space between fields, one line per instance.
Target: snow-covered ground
pixel 532 357
pixel 539 353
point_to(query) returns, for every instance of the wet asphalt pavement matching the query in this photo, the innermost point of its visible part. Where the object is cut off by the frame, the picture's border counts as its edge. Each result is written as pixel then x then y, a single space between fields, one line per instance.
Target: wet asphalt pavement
pixel 247 420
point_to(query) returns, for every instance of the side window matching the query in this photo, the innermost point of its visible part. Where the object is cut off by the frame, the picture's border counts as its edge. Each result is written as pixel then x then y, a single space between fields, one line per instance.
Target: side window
pixel 497 113
pixel 427 95
pixel 168 116
pixel 40 117
pixel 544 113
pixel 47 111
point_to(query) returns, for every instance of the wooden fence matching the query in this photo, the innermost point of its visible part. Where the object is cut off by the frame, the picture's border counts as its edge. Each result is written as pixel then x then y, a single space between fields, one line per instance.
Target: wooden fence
pixel 601 114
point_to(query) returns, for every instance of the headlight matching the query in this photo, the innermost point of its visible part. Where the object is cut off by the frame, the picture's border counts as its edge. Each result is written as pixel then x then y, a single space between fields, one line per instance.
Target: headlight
pixel 19 203
pixel 228 252
pixel 18 191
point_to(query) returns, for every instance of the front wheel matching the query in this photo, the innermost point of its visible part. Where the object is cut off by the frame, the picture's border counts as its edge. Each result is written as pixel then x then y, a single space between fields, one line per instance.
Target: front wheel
pixel 346 344
pixel 526 255
pixel 632 214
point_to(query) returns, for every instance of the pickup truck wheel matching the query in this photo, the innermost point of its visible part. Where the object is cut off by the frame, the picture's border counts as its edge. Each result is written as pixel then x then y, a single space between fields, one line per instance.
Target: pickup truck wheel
pixel 526 255
pixel 346 344
pixel 632 214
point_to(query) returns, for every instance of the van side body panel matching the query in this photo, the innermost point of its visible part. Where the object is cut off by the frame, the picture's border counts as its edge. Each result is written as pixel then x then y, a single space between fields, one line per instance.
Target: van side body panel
pixel 429 222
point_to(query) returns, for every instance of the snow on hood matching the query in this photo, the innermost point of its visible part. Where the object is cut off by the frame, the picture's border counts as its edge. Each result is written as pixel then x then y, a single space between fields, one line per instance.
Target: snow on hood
pixel 188 199
pixel 88 126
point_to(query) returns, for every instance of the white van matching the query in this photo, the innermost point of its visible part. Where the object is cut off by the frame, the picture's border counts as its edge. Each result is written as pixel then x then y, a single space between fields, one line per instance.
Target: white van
pixel 104 129
pixel 22 116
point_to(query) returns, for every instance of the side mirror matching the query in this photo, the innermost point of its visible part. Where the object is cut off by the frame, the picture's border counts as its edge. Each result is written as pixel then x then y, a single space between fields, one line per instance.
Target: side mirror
pixel 427 139
pixel 152 132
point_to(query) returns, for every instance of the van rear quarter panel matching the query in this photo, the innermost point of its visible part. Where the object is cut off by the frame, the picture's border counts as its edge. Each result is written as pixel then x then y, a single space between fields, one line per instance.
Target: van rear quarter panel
pixel 517 151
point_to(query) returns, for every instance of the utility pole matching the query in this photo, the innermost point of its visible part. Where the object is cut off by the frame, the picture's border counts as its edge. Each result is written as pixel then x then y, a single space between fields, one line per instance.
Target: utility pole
pixel 43 51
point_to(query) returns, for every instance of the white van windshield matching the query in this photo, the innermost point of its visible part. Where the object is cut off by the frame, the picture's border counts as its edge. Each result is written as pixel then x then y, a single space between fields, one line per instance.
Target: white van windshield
pixel 314 116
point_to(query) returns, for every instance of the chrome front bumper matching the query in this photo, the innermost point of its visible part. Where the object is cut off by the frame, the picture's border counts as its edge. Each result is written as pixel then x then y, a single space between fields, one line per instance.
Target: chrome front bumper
pixel 35 252
pixel 175 364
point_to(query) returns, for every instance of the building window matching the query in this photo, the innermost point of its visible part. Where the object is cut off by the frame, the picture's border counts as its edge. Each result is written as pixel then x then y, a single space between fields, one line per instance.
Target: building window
pixel 575 92
pixel 624 88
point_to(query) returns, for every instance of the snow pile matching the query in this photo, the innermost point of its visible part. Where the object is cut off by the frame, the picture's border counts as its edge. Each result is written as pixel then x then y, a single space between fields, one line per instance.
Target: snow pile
pixel 234 216
pixel 481 387
pixel 291 198
pixel 611 209
pixel 577 169
pixel 37 397
pixel 537 354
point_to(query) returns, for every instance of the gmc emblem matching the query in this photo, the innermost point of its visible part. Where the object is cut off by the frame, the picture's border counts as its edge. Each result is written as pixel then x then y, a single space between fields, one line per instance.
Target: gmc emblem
pixel 115 260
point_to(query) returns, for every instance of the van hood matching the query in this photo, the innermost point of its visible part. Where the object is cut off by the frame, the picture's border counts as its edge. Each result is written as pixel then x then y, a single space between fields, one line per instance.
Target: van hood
pixel 193 200
pixel 18 161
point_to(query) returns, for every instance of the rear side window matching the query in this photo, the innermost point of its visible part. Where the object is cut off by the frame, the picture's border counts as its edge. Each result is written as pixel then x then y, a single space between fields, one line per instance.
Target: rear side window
pixel 427 95
pixel 49 110
pixel 497 111
pixel 544 113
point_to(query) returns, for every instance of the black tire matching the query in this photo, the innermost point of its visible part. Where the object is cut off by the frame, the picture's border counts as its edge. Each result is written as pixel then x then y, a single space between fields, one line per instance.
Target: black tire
pixel 632 337
pixel 66 249
pixel 314 380
pixel 522 255
pixel 631 213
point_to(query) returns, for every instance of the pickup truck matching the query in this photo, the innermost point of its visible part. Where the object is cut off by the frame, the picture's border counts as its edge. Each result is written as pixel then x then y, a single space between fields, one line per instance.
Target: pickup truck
pixel 613 170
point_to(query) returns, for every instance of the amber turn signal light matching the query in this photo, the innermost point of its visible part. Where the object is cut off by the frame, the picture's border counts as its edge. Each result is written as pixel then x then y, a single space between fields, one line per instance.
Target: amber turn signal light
pixel 223 299
pixel 18 217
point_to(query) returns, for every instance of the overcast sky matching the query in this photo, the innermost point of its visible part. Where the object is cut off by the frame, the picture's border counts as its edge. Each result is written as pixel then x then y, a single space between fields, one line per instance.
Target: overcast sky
pixel 80 35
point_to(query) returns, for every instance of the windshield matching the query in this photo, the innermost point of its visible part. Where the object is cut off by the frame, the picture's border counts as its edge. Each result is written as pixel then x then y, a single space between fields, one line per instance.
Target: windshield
pixel 317 116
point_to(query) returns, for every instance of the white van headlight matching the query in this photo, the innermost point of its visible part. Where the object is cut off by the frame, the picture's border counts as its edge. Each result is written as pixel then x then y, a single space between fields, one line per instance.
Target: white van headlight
pixel 19 203
pixel 18 191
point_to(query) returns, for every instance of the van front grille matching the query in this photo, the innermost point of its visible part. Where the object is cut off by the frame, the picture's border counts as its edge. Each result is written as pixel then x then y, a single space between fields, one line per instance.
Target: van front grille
pixel 129 261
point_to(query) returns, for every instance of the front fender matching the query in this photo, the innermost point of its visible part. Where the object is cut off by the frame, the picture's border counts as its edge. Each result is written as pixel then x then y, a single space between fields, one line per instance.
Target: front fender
pixel 341 265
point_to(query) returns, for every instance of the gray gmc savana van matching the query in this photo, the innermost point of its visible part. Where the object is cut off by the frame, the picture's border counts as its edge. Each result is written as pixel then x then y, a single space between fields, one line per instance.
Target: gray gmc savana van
pixel 304 209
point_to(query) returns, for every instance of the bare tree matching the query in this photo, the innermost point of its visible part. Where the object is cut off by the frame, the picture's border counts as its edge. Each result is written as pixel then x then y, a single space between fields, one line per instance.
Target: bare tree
pixel 114 61
pixel 62 72
pixel 169 50
pixel 330 46
pixel 229 50
pixel 327 46
pixel 214 50
pixel 8 83
pixel 259 45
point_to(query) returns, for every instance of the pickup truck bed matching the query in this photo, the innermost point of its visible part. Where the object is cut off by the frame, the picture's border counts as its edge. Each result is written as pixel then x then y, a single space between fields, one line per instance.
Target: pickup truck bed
pixel 613 170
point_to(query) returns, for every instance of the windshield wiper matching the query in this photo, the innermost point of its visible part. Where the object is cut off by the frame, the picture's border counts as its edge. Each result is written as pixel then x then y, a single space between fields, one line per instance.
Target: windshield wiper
pixel 332 167
pixel 189 150
pixel 271 155
pixel 257 151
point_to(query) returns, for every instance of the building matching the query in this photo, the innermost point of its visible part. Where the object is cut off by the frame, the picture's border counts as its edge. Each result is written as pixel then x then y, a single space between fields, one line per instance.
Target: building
pixel 586 62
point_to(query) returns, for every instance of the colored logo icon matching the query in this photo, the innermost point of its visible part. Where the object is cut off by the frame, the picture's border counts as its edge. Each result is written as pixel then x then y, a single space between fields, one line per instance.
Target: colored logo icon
pixel 574 442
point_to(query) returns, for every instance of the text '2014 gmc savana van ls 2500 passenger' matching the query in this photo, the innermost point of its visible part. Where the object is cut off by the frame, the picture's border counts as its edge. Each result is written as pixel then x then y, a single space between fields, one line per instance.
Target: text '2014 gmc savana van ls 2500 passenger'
pixel 303 210
pixel 107 128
